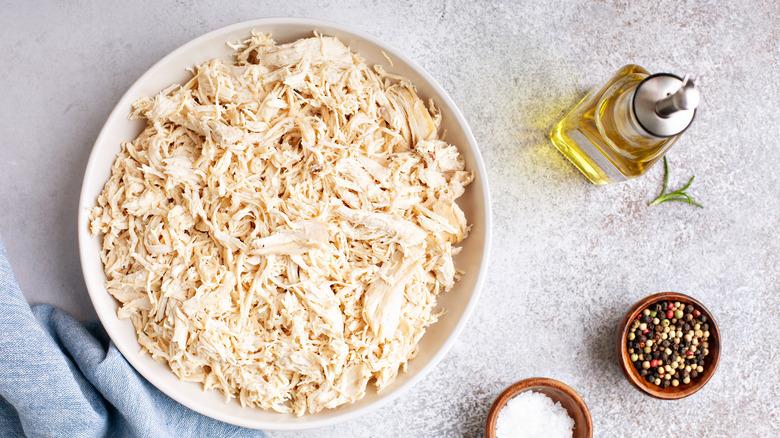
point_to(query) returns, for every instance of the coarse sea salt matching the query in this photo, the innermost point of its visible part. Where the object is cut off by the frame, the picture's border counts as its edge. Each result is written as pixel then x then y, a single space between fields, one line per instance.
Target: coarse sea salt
pixel 533 415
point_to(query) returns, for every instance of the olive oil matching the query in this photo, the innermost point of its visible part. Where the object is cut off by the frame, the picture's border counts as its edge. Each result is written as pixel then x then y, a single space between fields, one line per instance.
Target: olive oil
pixel 617 133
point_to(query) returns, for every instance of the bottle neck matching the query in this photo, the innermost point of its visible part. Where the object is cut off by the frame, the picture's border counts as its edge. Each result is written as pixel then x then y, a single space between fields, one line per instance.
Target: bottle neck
pixel 627 124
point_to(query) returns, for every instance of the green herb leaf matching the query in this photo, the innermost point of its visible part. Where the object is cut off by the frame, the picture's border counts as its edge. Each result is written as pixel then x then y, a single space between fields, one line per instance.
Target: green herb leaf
pixel 677 195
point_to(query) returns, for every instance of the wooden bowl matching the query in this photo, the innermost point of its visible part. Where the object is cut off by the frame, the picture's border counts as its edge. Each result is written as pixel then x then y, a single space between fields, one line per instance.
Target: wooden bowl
pixel 558 392
pixel 632 374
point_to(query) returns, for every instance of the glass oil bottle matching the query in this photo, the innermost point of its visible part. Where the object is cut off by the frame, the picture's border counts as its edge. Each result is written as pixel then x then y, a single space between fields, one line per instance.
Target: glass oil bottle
pixel 620 131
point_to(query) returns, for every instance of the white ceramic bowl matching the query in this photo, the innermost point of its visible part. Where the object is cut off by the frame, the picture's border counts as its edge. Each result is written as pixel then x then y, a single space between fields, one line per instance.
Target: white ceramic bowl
pixel 458 303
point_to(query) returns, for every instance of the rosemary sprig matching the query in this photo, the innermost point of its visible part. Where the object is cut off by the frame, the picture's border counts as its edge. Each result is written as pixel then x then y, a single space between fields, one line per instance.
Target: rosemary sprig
pixel 677 195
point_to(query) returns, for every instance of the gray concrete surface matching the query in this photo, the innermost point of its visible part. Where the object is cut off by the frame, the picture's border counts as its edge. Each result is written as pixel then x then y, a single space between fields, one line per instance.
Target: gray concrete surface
pixel 568 257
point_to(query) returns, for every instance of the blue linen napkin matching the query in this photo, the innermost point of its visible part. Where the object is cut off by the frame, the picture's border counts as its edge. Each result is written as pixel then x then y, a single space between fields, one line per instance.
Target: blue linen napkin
pixel 61 378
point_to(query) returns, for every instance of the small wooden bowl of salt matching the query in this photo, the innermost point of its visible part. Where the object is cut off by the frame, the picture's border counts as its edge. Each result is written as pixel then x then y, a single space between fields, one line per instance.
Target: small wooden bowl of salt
pixel 539 407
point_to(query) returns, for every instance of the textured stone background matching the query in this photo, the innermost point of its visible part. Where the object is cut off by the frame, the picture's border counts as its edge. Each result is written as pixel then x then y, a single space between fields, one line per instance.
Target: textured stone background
pixel 568 257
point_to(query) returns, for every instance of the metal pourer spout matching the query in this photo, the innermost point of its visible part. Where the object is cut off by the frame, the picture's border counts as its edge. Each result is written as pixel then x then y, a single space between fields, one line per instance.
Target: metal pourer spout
pixel 685 98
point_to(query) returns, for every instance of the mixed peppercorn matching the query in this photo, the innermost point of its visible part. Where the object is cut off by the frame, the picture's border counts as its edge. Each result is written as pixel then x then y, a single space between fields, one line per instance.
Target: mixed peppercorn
pixel 668 342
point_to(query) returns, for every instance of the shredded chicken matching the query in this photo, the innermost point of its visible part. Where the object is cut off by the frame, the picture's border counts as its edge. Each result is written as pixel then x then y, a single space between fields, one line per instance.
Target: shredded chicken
pixel 282 227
